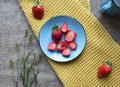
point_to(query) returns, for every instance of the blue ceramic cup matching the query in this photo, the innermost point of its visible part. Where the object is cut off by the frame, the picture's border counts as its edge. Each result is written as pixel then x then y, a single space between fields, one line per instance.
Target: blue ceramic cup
pixel 110 7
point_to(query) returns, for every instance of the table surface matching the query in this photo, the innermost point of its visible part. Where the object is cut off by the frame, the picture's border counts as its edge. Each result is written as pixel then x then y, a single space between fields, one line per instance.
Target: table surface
pixel 13 24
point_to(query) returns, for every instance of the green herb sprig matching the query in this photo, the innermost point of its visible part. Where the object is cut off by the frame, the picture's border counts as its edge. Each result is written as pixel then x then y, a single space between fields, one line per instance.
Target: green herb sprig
pixel 29 36
pixel 16 46
pixel 27 69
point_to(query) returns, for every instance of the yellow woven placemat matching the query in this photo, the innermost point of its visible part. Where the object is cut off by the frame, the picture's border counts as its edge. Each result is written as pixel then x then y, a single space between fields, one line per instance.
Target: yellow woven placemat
pixel 99 46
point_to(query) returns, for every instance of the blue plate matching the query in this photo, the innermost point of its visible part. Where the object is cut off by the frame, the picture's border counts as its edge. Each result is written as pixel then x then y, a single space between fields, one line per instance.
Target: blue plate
pixel 45 37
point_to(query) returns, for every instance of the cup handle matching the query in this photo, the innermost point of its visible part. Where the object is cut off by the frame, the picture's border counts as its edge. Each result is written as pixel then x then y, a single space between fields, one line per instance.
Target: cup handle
pixel 105 7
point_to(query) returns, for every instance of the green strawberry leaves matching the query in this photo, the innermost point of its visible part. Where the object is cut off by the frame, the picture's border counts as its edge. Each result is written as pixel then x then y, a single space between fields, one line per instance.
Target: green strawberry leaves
pixel 55 27
pixel 109 64
pixel 37 3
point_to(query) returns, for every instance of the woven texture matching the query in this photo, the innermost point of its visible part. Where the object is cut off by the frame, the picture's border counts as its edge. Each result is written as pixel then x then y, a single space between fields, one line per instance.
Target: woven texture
pixel 100 47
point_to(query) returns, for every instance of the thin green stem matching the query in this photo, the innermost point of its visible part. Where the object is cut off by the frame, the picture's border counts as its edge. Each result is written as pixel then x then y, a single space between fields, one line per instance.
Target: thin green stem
pixel 34 78
pixel 29 70
pixel 23 78
pixel 24 67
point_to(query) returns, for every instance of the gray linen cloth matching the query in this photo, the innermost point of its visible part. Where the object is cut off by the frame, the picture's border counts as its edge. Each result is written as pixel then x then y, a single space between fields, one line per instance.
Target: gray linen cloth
pixel 13 24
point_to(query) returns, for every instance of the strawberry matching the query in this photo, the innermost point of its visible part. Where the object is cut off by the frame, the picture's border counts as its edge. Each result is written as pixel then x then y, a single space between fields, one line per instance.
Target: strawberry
pixel 66 52
pixel 56 34
pixel 62 45
pixel 64 28
pixel 73 45
pixel 38 10
pixel 70 36
pixel 52 46
pixel 104 69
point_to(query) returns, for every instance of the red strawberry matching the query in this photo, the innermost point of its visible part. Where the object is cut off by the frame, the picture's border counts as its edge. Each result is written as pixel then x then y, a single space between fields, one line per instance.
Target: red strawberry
pixel 37 10
pixel 104 69
pixel 62 45
pixel 70 36
pixel 52 46
pixel 73 45
pixel 64 28
pixel 56 34
pixel 66 52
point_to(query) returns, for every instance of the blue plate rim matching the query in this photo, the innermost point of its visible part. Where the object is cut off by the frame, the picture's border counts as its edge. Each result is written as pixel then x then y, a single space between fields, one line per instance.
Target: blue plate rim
pixel 52 58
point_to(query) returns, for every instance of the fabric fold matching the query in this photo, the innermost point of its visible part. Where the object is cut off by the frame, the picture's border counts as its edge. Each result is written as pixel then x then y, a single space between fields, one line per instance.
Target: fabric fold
pixel 100 46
